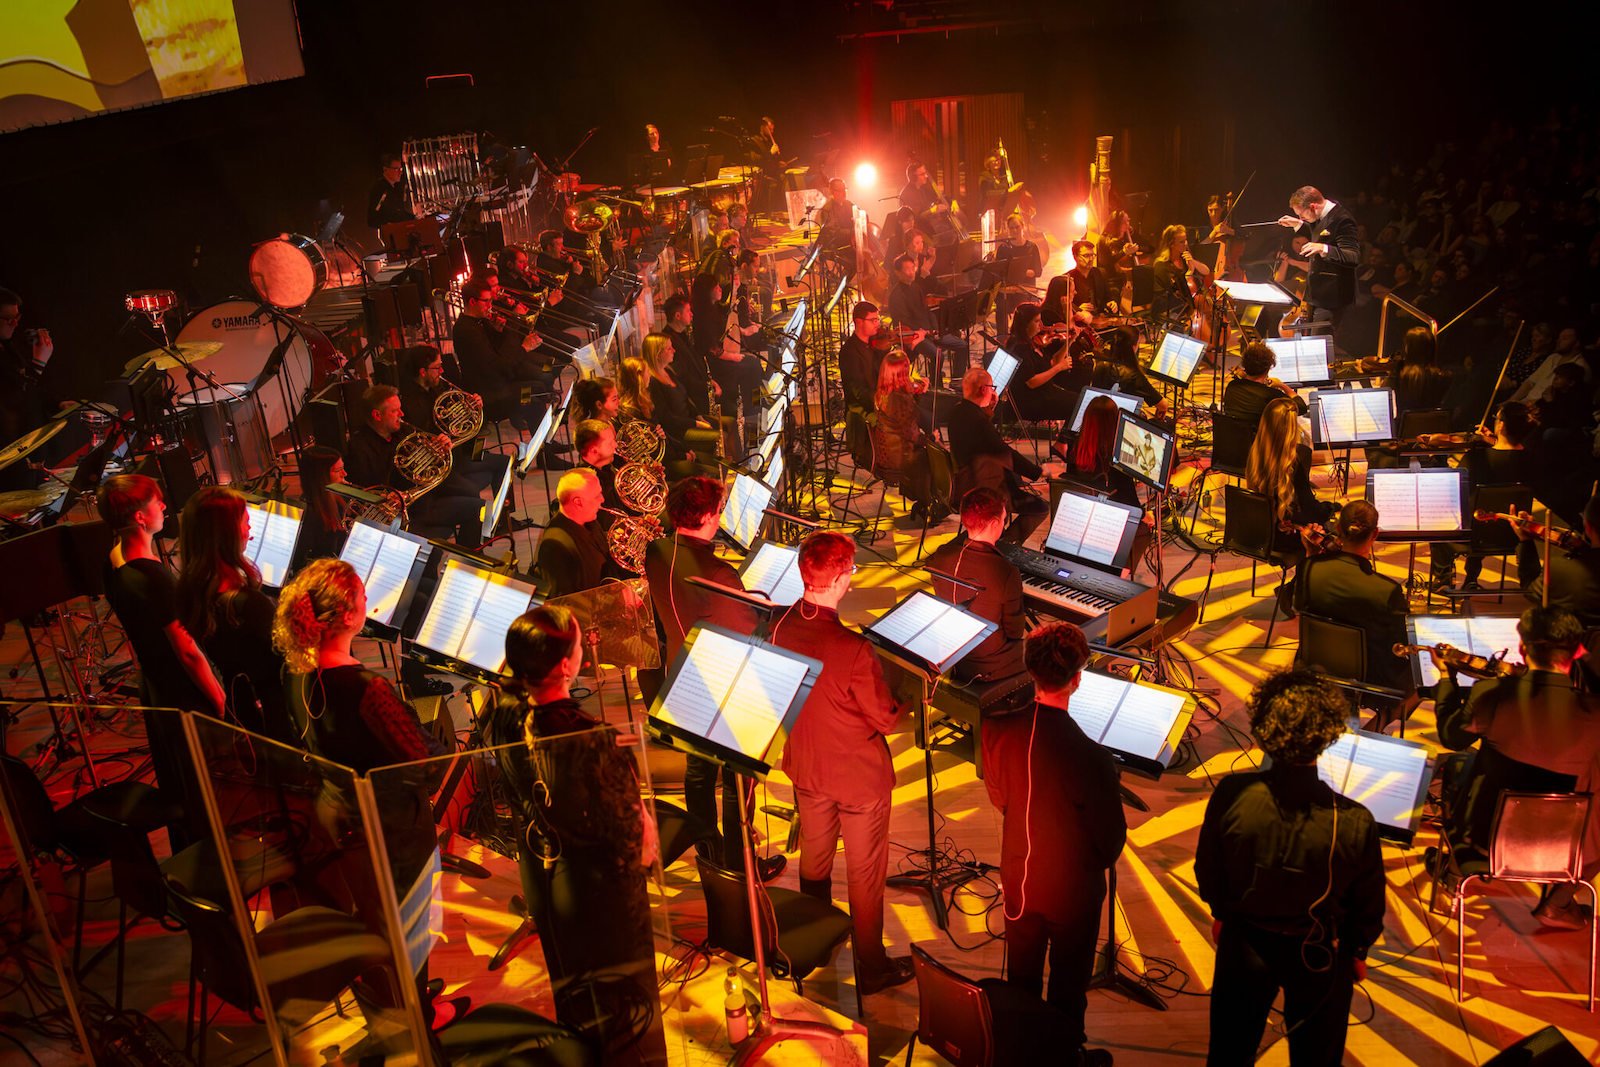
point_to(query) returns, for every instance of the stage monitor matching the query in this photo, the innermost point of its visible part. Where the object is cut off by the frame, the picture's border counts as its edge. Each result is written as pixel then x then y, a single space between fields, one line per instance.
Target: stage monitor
pixel 1138 723
pixel 1482 635
pixel 732 698
pixel 773 570
pixel 743 511
pixel 1002 365
pixel 929 633
pixel 464 630
pixel 274 532
pixel 1124 401
pixel 1089 530
pixel 1301 360
pixel 1386 775
pixel 390 564
pixel 1177 357
pixel 1144 451
pixel 65 61
pixel 1420 504
pixel 1351 416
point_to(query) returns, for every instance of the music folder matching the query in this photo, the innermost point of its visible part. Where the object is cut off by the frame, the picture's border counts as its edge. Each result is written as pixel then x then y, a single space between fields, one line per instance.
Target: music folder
pixel 390 564
pixel 464 628
pixel 274 532
pixel 1351 416
pixel 1386 775
pixel 773 570
pixel 1139 723
pixel 1177 357
pixel 930 634
pixel 732 698
pixel 1301 360
pixel 1482 635
pixel 1418 504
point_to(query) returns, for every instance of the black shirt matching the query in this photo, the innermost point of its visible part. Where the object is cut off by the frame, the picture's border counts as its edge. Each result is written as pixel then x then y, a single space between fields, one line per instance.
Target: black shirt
pixel 1000 601
pixel 858 371
pixel 250 668
pixel 908 310
pixel 571 557
pixel 370 459
pixel 387 203
pixel 669 563
pixel 1246 400
pixel 1346 588
pixel 143 594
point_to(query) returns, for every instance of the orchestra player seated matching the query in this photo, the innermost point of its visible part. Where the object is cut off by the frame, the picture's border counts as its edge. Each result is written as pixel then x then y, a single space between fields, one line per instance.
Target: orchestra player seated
pixel 1503 461
pixel 495 363
pixel 899 447
pixel 1253 388
pixel 1089 461
pixel 1419 383
pixel 998 596
pixel 441 513
pixel 690 433
pixel 1047 380
pixel 1279 468
pixel 596 443
pixel 1573 576
pixel 1123 373
pixel 919 326
pixel 1345 586
pixel 1535 732
pixel 1084 284
pixel 572 553
pixel 596 398
pixel 983 459
pixel 421 385
pixel 323 522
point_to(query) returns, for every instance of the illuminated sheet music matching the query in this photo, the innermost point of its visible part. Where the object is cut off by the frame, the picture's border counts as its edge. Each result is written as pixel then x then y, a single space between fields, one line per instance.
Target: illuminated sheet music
pixel 1125 401
pixel 731 692
pixel 1423 501
pixel 774 572
pixel 1095 703
pixel 1177 357
pixel 384 563
pixel 274 530
pixel 1346 416
pixel 1483 635
pixel 470 612
pixel 1087 529
pixel 530 451
pixel 742 511
pixel 491 509
pixel 1002 365
pixel 1254 292
pixel 1386 775
pixel 1124 715
pixel 930 628
pixel 1301 359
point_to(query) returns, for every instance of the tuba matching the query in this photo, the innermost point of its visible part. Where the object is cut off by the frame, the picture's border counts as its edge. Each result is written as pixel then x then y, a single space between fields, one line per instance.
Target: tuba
pixel 458 416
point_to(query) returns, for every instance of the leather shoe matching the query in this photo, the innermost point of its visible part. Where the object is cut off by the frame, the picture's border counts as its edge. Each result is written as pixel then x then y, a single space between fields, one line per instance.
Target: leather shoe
pixel 769 867
pixel 899 971
pixel 430 687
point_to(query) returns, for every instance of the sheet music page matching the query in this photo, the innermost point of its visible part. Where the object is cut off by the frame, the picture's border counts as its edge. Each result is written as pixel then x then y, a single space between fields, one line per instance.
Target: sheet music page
pixel 774 571
pixel 1394 494
pixel 274 529
pixel 384 563
pixel 1177 356
pixel 1144 722
pixel 1002 365
pixel 1333 766
pixel 929 627
pixel 754 710
pixel 1086 529
pixel 1370 414
pixel 695 698
pixel 1438 499
pixel 1490 636
pixel 503 599
pixel 455 598
pixel 741 514
pixel 1434 629
pixel 1094 705
pixel 1385 776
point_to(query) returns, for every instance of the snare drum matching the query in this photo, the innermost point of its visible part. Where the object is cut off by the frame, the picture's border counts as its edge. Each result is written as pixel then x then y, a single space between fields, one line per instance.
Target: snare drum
pixel 151 302
pixel 233 432
pixel 288 270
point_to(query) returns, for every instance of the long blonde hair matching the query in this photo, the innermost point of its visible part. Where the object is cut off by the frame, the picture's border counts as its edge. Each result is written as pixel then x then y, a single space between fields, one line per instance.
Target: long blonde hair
pixel 1169 236
pixel 310 606
pixel 634 383
pixel 1269 469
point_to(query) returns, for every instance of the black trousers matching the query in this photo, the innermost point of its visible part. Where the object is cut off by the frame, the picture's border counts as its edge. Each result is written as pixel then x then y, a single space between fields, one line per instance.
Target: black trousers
pixel 1069 946
pixel 700 798
pixel 1252 965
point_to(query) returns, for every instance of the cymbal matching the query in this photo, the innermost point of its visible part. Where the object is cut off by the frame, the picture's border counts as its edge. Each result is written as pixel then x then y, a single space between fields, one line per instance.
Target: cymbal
pixel 19 502
pixel 162 359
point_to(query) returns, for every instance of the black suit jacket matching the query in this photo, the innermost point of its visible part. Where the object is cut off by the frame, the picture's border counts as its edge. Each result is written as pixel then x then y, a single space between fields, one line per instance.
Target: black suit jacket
pixel 1574 579
pixel 1245 399
pixel 1345 588
pixel 973 435
pixel 858 371
pixel 999 601
pixel 571 557
pixel 907 309
pixel 1332 282
pixel 669 563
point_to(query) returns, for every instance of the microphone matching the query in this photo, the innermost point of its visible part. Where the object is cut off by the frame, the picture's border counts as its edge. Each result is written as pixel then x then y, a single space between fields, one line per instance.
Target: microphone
pixel 797 520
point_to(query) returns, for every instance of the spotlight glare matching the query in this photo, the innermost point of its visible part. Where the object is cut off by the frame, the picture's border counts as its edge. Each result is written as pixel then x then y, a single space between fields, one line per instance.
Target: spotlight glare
pixel 1080 216
pixel 866 176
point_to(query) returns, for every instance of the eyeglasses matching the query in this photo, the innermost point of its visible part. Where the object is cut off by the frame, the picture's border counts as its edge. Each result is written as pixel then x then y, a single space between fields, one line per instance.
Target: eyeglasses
pixel 11 320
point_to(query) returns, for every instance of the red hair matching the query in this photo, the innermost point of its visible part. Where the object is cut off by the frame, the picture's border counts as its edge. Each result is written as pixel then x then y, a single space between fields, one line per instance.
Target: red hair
pixel 1096 436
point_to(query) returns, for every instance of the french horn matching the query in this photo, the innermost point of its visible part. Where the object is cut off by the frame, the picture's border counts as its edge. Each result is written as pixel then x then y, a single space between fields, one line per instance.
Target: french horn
pixel 422 459
pixel 458 416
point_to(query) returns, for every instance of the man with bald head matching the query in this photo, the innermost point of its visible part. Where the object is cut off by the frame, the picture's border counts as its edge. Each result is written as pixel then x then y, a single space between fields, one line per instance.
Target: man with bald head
pixel 572 553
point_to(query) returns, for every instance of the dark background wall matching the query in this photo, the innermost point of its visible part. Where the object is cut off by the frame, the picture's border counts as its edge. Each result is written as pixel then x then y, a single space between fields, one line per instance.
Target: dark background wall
pixel 172 196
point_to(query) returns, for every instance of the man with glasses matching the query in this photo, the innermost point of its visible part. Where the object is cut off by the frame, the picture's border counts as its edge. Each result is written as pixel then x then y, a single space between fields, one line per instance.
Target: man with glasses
pixel 1084 284
pixel 387 200
pixel 23 357
pixel 496 364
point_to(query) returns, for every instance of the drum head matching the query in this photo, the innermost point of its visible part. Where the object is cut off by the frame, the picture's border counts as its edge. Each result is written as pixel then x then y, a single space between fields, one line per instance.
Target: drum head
pixel 288 271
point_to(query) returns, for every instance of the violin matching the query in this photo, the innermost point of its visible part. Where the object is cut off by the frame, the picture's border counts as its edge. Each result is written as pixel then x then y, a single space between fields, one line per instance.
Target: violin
pixel 1468 663
pixel 1318 541
pixel 1566 540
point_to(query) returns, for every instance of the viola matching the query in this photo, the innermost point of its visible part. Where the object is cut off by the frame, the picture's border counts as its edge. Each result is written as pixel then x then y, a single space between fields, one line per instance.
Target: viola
pixel 1468 663
pixel 1566 540
pixel 1317 540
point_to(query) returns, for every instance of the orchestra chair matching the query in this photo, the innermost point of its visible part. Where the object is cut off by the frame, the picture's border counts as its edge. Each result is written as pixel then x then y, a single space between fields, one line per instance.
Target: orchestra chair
pixel 799 933
pixel 1537 838
pixel 1544 1048
pixel 1419 421
pixel 941 481
pixel 983 1023
pixel 1142 278
pixel 1496 538
pixel 507 1033
pixel 1248 528
pixel 309 956
pixel 1338 651
pixel 1231 439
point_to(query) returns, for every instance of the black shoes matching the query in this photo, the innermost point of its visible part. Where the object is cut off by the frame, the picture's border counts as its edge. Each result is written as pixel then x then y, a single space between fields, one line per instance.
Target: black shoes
pixel 769 867
pixel 898 971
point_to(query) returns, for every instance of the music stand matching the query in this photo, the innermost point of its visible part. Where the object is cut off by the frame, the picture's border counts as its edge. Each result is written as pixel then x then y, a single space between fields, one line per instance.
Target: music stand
pixel 463 630
pixel 1494 636
pixel 929 636
pixel 274 533
pixel 1125 401
pixel 772 569
pixel 391 564
pixel 1389 776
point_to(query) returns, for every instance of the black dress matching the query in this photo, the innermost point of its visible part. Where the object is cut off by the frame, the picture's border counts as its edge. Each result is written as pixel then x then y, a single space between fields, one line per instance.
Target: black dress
pixel 250 668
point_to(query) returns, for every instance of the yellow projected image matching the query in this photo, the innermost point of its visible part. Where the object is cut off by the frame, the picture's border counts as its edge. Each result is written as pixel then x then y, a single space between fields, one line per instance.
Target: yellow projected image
pixel 193 45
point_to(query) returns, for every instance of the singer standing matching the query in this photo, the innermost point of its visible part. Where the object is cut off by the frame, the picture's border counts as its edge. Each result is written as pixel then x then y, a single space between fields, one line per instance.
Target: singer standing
pixel 1333 249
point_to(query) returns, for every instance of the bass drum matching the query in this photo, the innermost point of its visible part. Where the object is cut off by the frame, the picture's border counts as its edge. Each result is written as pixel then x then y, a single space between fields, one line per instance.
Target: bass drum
pixel 288 270
pixel 249 335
